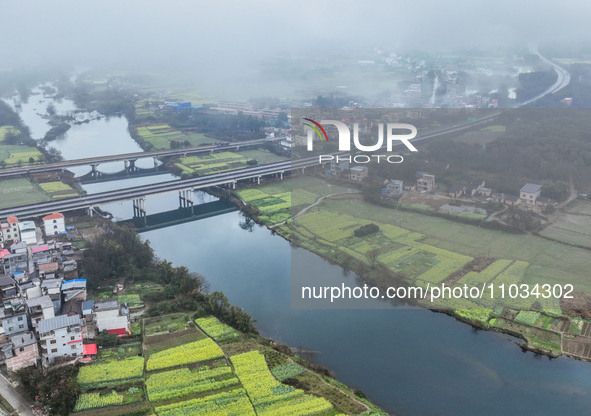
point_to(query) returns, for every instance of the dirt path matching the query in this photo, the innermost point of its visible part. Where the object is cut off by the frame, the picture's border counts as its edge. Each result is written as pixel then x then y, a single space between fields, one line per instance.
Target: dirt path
pixel 573 193
pixel 318 201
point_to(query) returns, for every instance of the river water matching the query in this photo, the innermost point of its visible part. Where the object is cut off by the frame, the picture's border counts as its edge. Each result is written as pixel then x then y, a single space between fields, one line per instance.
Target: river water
pixel 410 361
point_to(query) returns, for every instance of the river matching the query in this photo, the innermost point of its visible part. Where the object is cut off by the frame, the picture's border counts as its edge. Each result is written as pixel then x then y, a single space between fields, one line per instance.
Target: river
pixel 409 361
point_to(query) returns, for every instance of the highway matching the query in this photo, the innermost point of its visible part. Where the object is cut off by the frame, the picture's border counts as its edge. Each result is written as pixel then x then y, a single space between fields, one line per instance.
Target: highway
pixel 25 170
pixel 562 79
pixel 87 201
pixel 44 208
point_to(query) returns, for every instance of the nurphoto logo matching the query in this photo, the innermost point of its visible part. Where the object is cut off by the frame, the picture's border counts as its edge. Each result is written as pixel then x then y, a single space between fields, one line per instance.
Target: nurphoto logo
pixel 392 133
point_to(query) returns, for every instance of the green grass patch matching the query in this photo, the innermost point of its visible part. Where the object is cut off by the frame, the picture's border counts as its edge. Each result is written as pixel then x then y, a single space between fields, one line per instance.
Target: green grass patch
pixel 21 191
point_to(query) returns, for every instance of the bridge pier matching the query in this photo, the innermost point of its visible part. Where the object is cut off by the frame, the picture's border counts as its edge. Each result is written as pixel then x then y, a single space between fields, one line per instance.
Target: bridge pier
pixel 281 175
pixel 139 208
pixel 234 184
pixel 155 162
pixel 130 165
pixel 186 198
pixel 90 211
pixel 94 172
pixel 259 180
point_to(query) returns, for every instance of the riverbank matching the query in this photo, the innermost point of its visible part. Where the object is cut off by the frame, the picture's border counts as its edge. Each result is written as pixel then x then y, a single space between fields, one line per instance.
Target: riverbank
pixel 160 330
pixel 398 256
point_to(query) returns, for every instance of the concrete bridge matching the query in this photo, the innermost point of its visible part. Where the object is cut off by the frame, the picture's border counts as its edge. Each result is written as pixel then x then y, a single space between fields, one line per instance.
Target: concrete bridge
pixel 128 159
pixel 183 186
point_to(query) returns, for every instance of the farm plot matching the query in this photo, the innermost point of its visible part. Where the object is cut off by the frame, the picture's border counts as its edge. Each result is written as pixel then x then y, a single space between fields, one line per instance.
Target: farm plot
pixel 183 382
pixel 111 373
pixel 212 163
pixel 131 299
pixel 274 208
pixel 571 229
pixel 15 192
pixel 14 155
pixel 194 352
pixel 57 190
pixel 234 402
pixel 398 249
pixel 268 395
pixel 475 278
pixel 215 329
pixel 97 400
pixel 162 135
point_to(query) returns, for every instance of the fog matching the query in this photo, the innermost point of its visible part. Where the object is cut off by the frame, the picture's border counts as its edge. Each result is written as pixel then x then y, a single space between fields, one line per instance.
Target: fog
pixel 230 38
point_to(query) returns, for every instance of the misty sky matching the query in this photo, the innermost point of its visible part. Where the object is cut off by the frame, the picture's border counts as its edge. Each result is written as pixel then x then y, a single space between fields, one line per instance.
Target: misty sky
pixel 235 32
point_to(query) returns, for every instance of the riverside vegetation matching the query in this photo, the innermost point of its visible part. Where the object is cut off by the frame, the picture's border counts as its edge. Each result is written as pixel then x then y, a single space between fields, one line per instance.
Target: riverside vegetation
pixel 192 354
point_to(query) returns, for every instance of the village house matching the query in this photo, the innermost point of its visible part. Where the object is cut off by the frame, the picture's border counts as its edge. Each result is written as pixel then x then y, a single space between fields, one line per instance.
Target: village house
pixel 9 230
pixel 358 173
pixel 425 182
pixel 60 337
pixel 456 191
pixel 54 224
pixel 25 351
pixel 394 188
pixel 39 309
pixel 529 193
pixel 111 317
pixel 507 199
pixel 28 232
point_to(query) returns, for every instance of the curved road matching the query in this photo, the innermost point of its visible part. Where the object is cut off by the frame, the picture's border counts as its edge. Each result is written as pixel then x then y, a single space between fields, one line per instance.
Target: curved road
pixel 562 79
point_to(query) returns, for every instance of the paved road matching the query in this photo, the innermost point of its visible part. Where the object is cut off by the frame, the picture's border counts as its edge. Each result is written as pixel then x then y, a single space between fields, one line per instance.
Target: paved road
pixel 14 398
pixel 562 78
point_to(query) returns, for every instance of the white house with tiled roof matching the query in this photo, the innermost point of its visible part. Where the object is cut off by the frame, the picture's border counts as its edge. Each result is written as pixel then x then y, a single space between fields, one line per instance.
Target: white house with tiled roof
pixel 54 224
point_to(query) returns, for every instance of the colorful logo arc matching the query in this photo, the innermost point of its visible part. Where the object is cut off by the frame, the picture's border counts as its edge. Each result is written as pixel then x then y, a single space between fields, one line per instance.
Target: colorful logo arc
pixel 318 126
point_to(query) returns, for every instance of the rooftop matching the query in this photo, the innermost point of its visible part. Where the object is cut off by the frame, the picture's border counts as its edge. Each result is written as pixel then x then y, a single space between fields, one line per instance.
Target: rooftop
pixel 43 301
pixel 23 339
pixel 52 283
pixel 106 305
pixel 61 321
pixel 531 188
pixel 54 216
pixel 74 284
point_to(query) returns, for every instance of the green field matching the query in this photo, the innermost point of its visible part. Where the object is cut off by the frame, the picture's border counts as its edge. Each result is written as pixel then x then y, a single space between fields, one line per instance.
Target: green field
pixel 21 191
pixel 222 161
pixel 572 226
pixel 57 190
pixel 15 155
pixel 278 201
pixel 183 372
pixel 160 136
pixel 550 262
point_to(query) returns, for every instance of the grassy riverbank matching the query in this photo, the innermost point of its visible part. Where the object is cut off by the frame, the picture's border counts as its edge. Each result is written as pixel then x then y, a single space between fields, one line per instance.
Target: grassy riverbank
pixel 413 248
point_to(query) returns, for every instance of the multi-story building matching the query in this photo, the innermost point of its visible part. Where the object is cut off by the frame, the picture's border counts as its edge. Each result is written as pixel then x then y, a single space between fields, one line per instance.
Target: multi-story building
pixel 28 232
pixel 110 316
pixel 25 351
pixel 425 182
pixel 13 324
pixel 39 309
pixel 10 230
pixel 530 193
pixel 358 173
pixel 54 224
pixel 60 338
